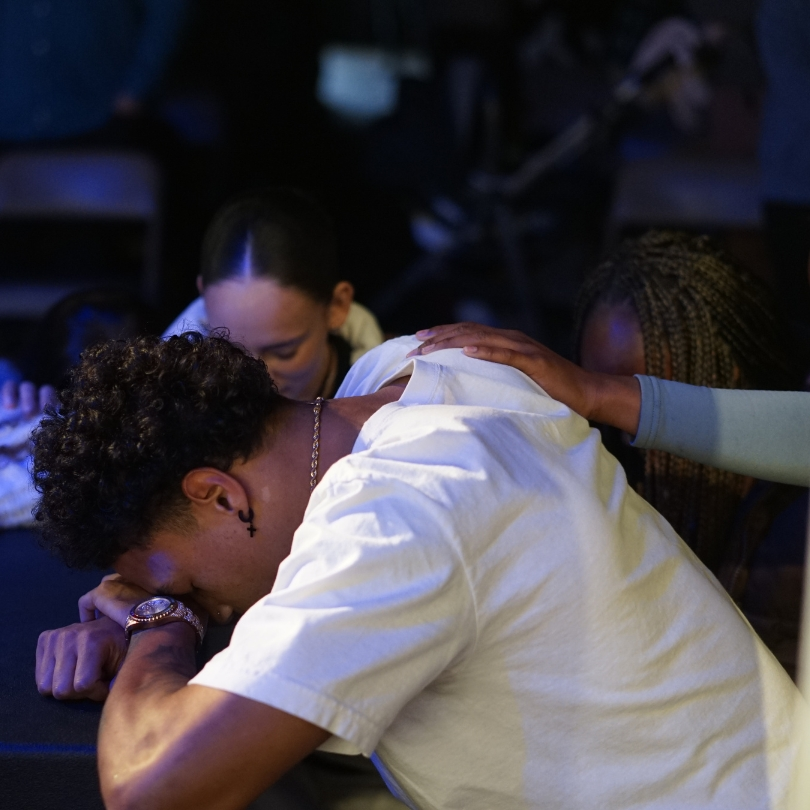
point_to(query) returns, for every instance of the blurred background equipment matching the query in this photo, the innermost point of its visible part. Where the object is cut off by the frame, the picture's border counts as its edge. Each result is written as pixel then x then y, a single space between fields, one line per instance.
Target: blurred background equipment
pixel 686 191
pixel 393 113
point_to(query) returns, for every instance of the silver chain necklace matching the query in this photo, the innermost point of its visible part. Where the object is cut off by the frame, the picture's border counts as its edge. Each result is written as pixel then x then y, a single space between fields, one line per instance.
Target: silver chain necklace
pixel 316 443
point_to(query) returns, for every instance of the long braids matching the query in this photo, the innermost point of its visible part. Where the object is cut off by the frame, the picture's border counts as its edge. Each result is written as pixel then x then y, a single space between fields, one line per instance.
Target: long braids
pixel 704 321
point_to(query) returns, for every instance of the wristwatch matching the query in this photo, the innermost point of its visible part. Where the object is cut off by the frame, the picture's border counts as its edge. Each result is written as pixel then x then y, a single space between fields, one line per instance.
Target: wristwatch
pixel 160 610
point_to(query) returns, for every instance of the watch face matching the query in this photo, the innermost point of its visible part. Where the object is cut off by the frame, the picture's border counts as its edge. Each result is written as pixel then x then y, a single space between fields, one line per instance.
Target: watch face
pixel 152 608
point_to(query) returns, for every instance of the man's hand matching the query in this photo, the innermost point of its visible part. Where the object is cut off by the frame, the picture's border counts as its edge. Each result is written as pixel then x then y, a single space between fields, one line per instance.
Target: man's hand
pixel 26 397
pixel 605 398
pixel 79 661
pixel 114 598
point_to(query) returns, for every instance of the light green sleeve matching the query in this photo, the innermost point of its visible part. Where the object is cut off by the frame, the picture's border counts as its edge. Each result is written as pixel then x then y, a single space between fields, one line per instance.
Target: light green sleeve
pixel 765 434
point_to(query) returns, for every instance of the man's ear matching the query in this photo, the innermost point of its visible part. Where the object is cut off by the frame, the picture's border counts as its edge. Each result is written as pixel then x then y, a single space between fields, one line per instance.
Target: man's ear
pixel 338 309
pixel 199 285
pixel 209 488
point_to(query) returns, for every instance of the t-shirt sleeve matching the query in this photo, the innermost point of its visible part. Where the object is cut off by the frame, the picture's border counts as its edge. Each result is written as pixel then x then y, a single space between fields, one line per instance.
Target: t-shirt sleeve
pixel 372 606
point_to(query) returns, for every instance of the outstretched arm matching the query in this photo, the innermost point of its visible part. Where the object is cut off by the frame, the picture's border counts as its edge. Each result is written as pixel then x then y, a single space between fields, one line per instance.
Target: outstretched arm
pixel 765 434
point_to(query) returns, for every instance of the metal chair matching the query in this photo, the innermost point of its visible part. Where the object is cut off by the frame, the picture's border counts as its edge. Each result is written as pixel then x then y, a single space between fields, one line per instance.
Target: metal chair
pixel 81 185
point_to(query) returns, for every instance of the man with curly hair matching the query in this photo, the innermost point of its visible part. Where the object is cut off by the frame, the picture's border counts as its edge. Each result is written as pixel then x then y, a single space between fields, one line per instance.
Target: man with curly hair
pixel 441 568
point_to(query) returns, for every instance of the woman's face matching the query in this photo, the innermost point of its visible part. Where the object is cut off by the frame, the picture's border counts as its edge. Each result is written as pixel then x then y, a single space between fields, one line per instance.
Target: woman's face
pixel 283 326
pixel 612 341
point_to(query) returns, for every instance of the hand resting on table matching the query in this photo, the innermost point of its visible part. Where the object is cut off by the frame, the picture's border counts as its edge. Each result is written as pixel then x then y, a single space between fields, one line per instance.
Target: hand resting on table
pixel 79 661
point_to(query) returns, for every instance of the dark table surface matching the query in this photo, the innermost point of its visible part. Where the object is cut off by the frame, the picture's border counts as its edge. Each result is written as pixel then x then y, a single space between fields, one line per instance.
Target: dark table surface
pixel 47 747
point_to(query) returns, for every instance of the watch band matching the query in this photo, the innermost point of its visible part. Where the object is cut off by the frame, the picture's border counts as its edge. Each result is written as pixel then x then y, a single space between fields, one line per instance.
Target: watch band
pixel 176 612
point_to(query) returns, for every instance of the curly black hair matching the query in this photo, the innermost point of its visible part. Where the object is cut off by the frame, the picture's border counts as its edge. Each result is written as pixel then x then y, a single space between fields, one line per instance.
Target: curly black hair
pixel 138 415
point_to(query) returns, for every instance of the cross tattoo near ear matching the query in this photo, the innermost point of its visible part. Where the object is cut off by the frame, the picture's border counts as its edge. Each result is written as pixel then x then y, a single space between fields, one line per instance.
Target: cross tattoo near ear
pixel 249 520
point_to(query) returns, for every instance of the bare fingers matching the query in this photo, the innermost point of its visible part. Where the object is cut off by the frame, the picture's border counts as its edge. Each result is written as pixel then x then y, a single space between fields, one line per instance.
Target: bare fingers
pixel 46 661
pixel 113 597
pixel 47 397
pixel 9 395
pixel 506 346
pixel 79 661
pixel 461 335
pixel 26 397
pixel 91 676
pixel 560 378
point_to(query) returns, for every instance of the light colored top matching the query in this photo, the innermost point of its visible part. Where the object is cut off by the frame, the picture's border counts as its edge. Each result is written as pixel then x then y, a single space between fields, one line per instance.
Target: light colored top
pixel 360 330
pixel 765 434
pixel 477 596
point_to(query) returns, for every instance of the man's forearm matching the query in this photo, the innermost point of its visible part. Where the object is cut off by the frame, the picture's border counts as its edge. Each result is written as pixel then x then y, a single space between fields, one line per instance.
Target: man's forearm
pixel 166 744
pixel 159 662
pixel 139 724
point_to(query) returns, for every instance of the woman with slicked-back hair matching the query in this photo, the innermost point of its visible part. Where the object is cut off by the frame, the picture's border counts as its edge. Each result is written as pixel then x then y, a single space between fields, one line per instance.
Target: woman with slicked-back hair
pixel 269 275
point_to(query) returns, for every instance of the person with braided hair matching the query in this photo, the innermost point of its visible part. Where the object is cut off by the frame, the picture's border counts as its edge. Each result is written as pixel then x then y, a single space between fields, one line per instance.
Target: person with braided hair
pixel 673 306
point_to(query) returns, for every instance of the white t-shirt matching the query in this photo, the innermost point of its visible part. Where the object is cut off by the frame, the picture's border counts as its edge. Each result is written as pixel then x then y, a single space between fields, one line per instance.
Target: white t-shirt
pixel 360 329
pixel 477 596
